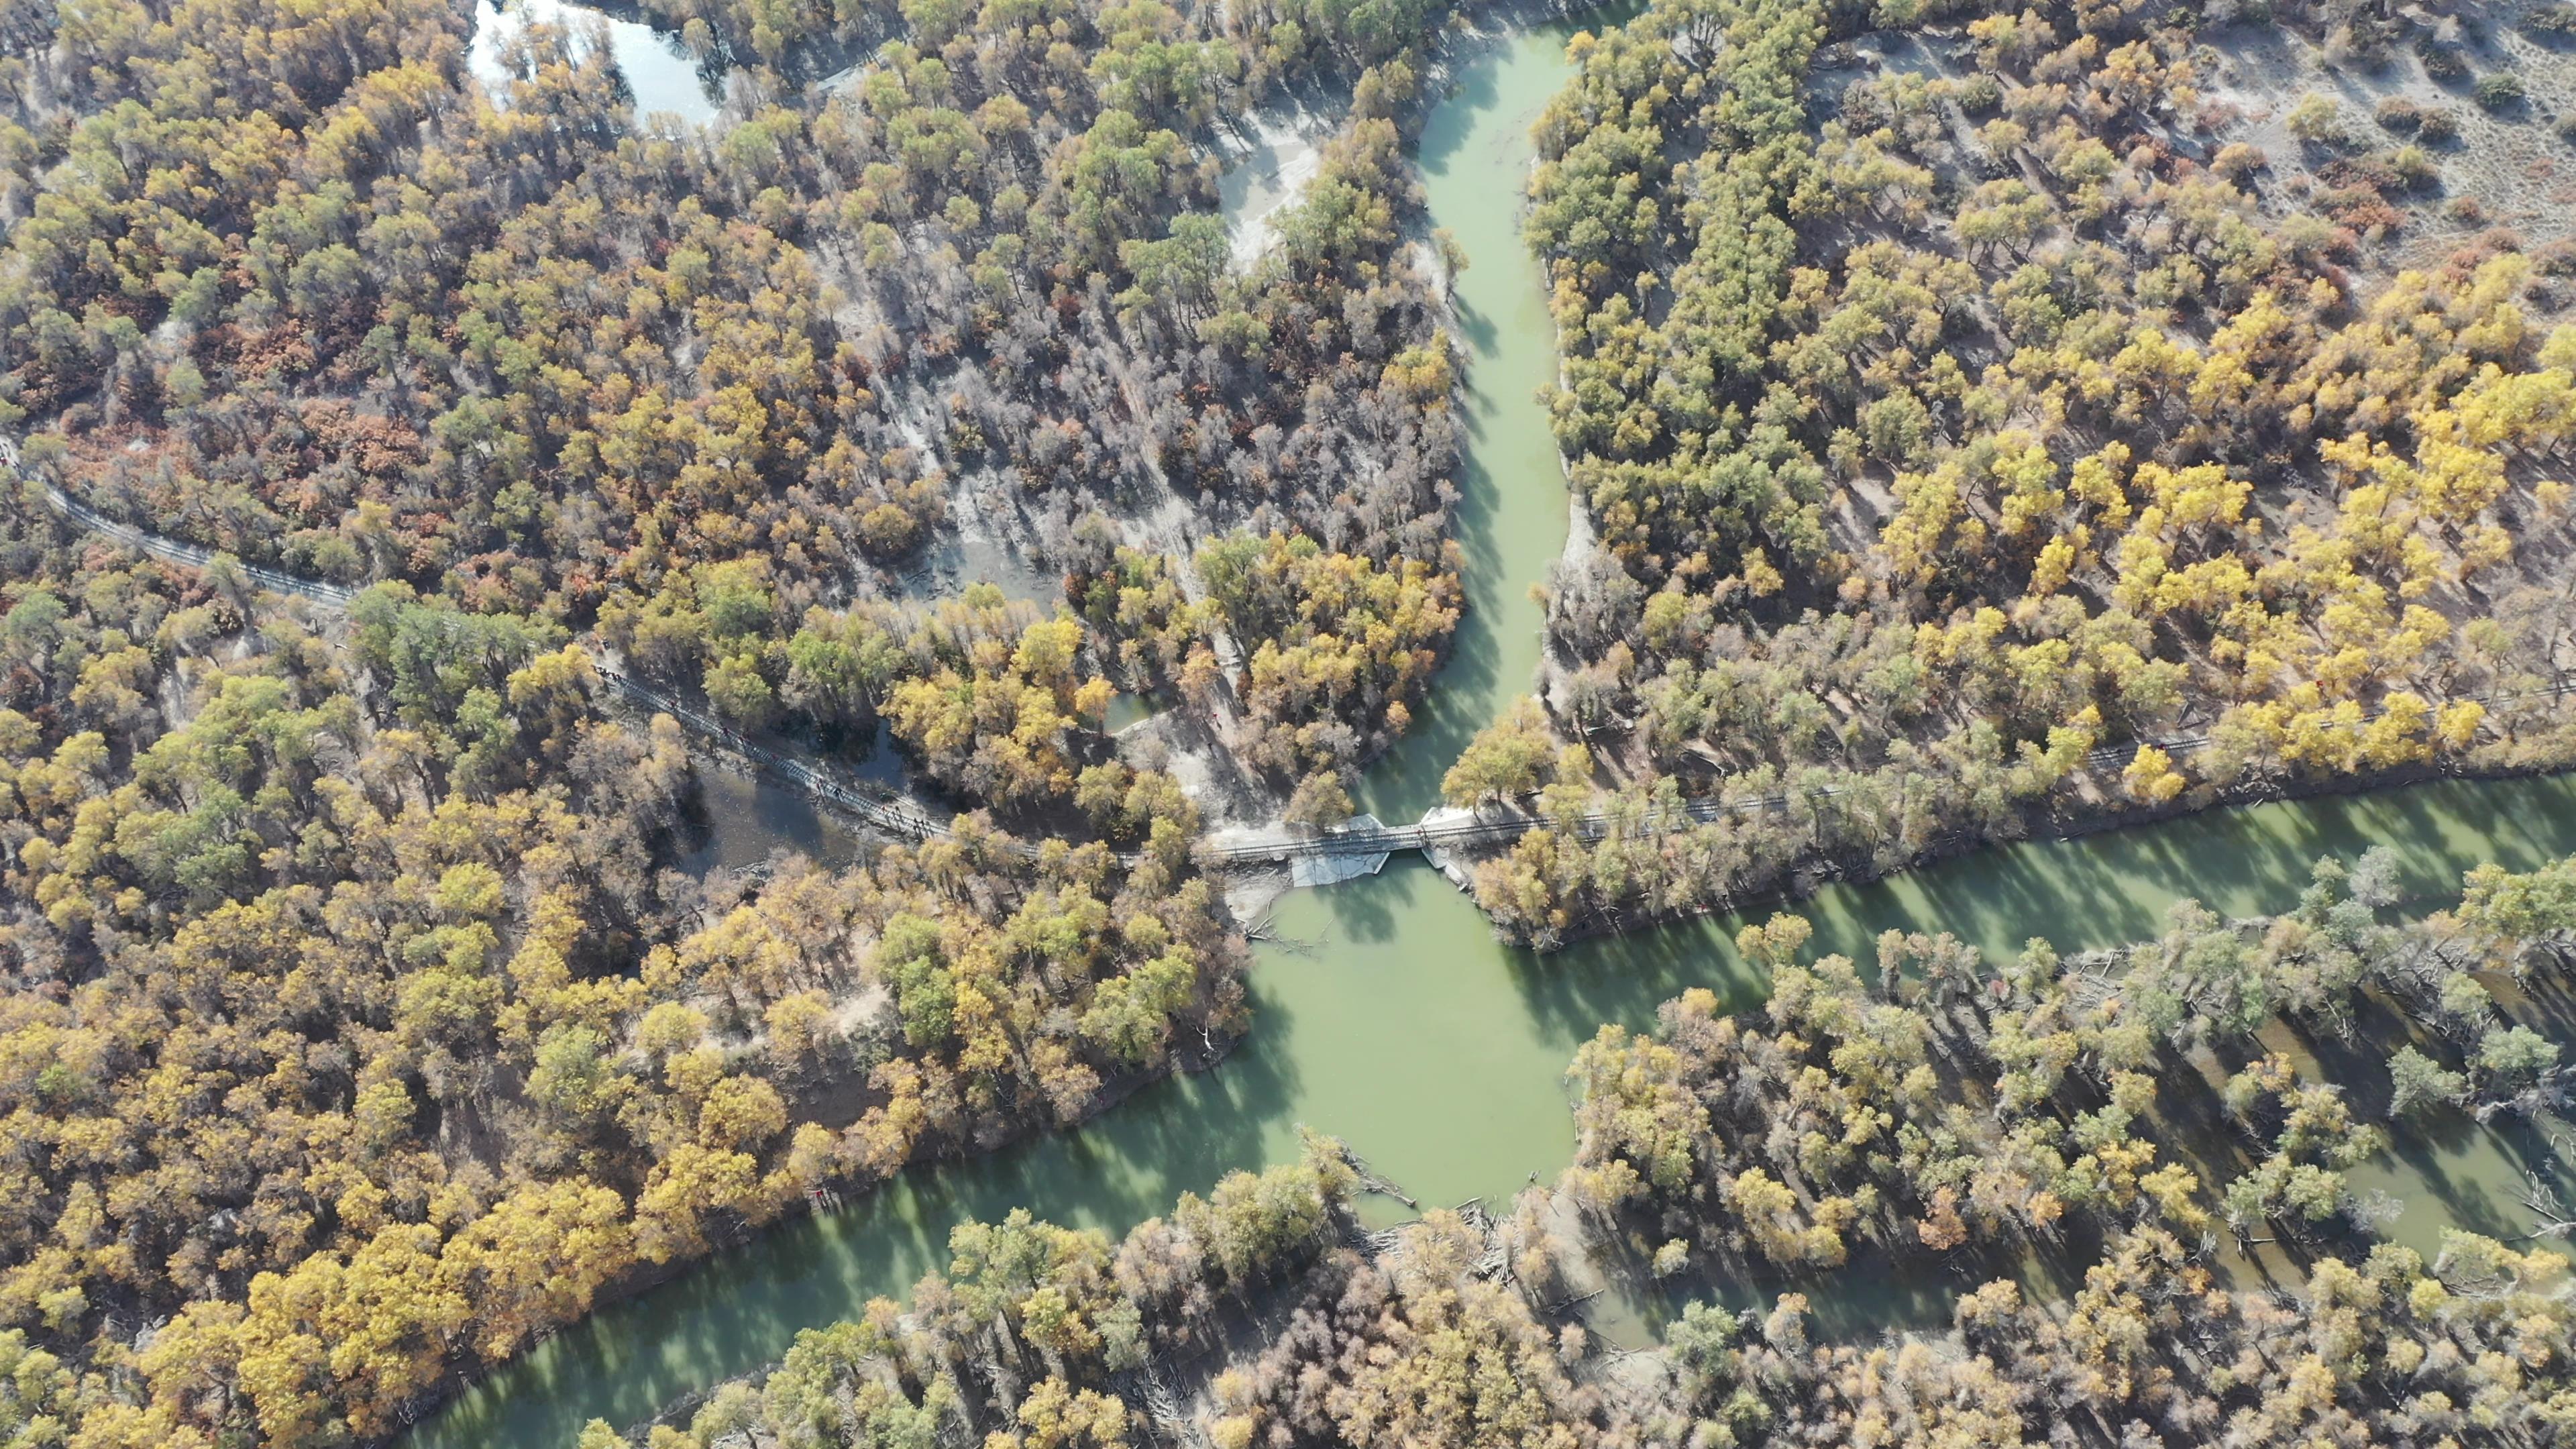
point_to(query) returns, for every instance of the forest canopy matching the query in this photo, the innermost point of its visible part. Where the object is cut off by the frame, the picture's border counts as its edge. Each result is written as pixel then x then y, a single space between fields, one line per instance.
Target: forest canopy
pixel 368 1014
pixel 1978 432
pixel 1975 430
pixel 359 1032
pixel 1992 1135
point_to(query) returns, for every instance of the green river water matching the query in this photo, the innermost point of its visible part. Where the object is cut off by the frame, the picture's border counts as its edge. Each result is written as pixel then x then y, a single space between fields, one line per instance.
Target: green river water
pixel 1390 1017
pixel 1512 516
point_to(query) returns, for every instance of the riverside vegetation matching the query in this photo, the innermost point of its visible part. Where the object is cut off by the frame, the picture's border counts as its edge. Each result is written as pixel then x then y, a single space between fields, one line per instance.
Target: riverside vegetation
pixel 331 1058
pixel 1939 1108
pixel 1946 414
pixel 360 1030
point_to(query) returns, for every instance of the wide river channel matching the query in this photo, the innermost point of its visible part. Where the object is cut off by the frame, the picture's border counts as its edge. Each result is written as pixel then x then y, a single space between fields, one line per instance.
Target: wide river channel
pixel 1388 1015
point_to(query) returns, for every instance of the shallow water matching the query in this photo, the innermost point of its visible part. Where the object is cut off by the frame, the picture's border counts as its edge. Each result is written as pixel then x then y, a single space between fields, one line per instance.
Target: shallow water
pixel 748 820
pixel 658 68
pixel 1390 1017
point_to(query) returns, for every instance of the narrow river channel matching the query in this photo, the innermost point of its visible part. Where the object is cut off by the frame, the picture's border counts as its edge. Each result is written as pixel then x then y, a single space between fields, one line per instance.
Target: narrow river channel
pixel 1391 1018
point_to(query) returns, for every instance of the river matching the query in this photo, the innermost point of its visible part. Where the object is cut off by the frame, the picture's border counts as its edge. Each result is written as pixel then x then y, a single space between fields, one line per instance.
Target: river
pixel 1390 1017
pixel 1512 515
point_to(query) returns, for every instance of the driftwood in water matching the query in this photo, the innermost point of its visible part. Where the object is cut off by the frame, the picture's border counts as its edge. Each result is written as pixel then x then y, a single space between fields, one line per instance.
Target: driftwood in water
pixel 1371 1182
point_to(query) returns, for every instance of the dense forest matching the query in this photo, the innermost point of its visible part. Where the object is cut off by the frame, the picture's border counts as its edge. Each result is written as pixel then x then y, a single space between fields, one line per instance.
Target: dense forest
pixel 359 1030
pixel 1977 430
pixel 1946 1102
pixel 296 288
pixel 360 1025
pixel 1939 423
pixel 1934 1113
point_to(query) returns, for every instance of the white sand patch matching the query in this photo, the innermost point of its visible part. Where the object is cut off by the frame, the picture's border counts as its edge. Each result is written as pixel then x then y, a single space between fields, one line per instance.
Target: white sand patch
pixel 1271 171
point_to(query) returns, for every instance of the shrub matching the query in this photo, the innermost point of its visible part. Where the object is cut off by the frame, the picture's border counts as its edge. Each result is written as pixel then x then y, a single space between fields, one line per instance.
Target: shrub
pixel 2553 22
pixel 2237 160
pixel 2377 171
pixel 2415 166
pixel 2498 90
pixel 2317 120
pixel 1978 94
pixel 2361 208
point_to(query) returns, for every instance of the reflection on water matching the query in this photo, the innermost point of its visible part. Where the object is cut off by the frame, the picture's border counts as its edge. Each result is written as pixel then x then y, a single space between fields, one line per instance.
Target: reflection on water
pixel 1388 1015
pixel 1511 517
pixel 749 818
pixel 1131 709
pixel 658 68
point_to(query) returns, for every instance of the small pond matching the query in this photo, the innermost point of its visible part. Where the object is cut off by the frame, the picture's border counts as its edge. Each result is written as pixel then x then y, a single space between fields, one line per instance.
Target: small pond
pixel 664 76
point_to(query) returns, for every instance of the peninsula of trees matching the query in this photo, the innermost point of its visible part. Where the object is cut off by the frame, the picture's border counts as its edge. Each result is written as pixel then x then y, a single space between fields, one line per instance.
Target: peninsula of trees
pixel 1986 421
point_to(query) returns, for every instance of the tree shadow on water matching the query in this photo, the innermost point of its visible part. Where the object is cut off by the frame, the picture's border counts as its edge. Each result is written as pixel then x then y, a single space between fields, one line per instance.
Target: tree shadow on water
pixel 1476 86
pixel 1367 910
pixel 1483 336
pixel 743 1306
